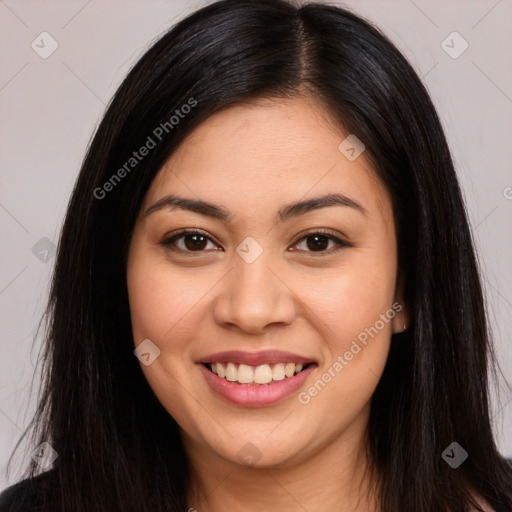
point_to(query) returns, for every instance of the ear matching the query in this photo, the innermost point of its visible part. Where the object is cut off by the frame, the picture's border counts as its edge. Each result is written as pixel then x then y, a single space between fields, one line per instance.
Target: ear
pixel 401 319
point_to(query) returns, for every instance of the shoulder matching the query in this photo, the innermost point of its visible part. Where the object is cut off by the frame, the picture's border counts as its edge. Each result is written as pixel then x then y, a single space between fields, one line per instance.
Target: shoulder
pixel 27 495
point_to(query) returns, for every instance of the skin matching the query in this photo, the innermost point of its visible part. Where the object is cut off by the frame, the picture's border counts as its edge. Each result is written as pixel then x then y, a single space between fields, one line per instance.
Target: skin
pixel 253 159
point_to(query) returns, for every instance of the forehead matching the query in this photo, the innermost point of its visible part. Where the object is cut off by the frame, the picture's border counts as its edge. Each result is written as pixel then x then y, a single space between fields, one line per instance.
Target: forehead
pixel 267 153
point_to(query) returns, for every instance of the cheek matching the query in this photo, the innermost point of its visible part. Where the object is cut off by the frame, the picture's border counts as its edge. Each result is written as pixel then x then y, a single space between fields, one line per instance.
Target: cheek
pixel 358 309
pixel 162 306
pixel 161 300
pixel 357 324
pixel 352 298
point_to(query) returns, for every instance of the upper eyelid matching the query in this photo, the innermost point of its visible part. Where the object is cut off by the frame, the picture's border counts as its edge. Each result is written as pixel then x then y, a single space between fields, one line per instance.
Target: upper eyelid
pixel 189 231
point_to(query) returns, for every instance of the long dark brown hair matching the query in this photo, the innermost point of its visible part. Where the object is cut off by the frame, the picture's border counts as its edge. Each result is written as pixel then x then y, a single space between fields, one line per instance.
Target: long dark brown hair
pixel 118 449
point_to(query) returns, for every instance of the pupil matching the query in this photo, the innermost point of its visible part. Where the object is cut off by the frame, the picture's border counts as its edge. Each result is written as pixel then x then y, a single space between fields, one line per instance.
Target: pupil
pixel 316 245
pixel 197 243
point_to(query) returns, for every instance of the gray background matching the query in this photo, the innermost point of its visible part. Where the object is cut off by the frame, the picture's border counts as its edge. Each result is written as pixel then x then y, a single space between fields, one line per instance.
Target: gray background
pixel 50 107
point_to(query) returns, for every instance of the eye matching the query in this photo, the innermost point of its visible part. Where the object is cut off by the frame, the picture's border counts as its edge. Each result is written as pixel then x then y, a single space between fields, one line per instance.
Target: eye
pixel 197 241
pixel 318 241
pixel 193 241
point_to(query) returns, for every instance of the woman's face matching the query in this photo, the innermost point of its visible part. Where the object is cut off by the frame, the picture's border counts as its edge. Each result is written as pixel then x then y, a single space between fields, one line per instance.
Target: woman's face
pixel 259 281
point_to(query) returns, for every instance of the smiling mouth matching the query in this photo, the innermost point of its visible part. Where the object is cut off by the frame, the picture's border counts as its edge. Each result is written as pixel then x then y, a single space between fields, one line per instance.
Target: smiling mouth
pixel 263 374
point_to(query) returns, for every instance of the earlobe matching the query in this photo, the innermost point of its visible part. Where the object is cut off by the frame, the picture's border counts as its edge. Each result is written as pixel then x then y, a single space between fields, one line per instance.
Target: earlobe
pixel 401 320
pixel 400 323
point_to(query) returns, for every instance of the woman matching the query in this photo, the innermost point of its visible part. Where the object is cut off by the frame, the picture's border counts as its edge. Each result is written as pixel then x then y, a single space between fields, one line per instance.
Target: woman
pixel 266 295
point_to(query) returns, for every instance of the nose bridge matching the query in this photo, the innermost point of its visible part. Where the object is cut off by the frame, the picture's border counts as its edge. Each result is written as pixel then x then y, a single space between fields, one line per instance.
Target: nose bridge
pixel 252 296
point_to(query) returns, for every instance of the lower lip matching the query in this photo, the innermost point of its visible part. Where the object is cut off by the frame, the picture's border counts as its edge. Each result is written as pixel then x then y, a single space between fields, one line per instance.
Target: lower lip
pixel 255 395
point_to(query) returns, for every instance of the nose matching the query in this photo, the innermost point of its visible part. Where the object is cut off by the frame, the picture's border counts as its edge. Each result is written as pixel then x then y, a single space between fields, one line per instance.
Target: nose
pixel 254 296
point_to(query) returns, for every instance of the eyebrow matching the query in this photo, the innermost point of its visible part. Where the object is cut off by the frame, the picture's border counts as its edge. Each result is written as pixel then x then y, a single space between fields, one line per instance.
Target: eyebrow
pixel 286 212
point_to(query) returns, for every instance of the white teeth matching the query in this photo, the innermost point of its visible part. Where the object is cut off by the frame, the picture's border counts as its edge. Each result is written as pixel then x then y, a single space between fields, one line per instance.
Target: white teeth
pixel 245 374
pixel 278 372
pixel 220 370
pixel 231 372
pixel 262 374
pixel 289 369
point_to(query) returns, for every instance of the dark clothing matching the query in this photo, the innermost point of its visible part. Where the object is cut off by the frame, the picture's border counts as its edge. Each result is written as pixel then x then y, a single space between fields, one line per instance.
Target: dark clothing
pixel 27 495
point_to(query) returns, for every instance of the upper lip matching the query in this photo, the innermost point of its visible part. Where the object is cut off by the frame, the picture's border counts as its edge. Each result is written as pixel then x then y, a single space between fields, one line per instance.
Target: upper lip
pixel 255 358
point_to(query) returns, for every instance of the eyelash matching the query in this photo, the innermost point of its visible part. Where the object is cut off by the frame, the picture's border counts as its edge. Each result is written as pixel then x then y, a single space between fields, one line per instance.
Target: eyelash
pixel 169 241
